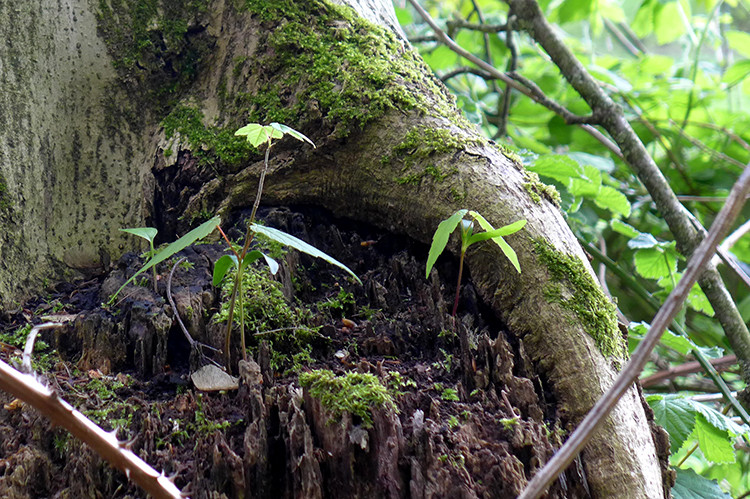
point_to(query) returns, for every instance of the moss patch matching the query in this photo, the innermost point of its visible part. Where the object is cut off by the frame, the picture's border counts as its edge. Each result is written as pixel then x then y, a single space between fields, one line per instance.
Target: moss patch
pixel 538 189
pixel 355 393
pixel 323 60
pixel 588 302
pixel 207 143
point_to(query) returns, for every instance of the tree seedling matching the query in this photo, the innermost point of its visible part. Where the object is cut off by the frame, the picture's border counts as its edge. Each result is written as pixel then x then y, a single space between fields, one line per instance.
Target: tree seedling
pixel 468 237
pixel 259 135
pixel 147 233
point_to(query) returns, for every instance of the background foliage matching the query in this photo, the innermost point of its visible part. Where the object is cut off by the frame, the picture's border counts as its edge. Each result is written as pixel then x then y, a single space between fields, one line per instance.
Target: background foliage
pixel 679 69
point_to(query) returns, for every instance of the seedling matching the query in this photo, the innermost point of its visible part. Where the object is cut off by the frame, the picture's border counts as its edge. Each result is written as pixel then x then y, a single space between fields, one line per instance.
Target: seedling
pixel 468 237
pixel 147 233
pixel 258 135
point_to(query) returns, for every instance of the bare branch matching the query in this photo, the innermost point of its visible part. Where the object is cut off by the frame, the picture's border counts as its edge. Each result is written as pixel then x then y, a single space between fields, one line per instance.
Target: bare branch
pixel 480 26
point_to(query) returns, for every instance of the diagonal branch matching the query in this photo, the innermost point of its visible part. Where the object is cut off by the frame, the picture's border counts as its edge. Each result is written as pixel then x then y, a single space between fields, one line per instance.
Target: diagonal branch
pixel 672 305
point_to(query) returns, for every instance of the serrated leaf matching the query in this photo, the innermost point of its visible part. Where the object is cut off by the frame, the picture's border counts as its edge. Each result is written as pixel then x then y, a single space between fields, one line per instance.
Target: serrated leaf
pixel 505 247
pixel 655 263
pixel 719 420
pixel 558 167
pixel 676 415
pixel 199 232
pixel 222 266
pixel 613 200
pixel 440 238
pixel 291 131
pixel 622 228
pixel 699 301
pixel 715 444
pixel 601 163
pixel 643 240
pixel 147 233
pixel 300 245
pixel 258 134
pixel 589 185
pixel 690 485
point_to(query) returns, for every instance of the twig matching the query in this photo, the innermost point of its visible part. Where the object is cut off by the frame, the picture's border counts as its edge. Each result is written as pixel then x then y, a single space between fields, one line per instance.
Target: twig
pixel 632 369
pixel 30 339
pixel 31 391
pixel 480 26
pixel 685 369
pixel 194 344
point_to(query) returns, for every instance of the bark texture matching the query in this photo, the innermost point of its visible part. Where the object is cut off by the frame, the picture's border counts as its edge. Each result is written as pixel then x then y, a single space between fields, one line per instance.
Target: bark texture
pixel 392 151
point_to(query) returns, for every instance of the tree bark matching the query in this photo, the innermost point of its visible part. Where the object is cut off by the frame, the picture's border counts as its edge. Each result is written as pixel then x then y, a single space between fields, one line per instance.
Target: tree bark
pixel 135 126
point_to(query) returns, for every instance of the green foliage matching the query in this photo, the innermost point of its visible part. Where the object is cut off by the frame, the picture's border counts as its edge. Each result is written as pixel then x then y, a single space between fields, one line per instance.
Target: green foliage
pixel 180 244
pixel 355 393
pixel 690 485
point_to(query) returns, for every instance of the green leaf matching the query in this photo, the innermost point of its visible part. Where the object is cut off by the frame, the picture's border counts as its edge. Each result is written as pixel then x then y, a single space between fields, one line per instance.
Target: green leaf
pixel 505 247
pixel 147 233
pixel 715 443
pixel 736 72
pixel 613 200
pixel 291 131
pixel 440 238
pixel 557 166
pixel 199 232
pixel 623 228
pixel 667 24
pixel 676 415
pixel 690 485
pixel 739 41
pixel 643 241
pixel 655 263
pixel 258 134
pixel 251 256
pixel 699 301
pixel 221 267
pixel 300 245
pixel 720 421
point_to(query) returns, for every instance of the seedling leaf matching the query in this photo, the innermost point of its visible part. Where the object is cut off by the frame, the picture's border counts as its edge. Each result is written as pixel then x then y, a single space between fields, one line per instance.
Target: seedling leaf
pixel 199 232
pixel 258 134
pixel 505 247
pixel 440 238
pixel 300 245
pixel 291 131
pixel 147 233
pixel 255 254
pixel 221 267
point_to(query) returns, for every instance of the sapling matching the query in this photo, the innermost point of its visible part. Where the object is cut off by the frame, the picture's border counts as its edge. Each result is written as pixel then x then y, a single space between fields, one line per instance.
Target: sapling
pixel 259 135
pixel 468 237
pixel 147 233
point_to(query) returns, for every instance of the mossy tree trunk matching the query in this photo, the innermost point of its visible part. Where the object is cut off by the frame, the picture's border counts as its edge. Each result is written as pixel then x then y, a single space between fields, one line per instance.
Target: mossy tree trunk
pixel 134 124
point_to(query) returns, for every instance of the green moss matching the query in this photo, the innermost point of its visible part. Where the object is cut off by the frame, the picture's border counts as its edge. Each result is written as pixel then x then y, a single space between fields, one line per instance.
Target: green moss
pixel 355 393
pixel 208 143
pixel 324 60
pixel 588 302
pixel 538 189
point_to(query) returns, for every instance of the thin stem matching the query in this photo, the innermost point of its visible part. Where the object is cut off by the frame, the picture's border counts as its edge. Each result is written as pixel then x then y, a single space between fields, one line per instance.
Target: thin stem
pixel 458 285
pixel 689 453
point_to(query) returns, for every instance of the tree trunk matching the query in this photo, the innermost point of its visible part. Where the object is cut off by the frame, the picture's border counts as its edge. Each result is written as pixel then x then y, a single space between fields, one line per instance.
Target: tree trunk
pixel 122 113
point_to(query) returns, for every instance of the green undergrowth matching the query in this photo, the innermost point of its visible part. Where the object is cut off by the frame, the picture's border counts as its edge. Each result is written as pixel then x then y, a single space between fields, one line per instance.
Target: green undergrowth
pixel 355 393
pixel 585 299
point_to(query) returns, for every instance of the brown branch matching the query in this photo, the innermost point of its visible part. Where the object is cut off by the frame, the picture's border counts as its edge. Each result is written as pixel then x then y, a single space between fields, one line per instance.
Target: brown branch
pixel 480 26
pixel 612 119
pixel 672 305
pixel 31 391
pixel 720 364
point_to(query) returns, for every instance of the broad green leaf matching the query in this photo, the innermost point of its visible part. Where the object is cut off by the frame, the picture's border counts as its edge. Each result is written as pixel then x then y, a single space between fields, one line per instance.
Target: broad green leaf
pixel 668 25
pixel 601 163
pixel 676 415
pixel 291 131
pixel 221 267
pixel 715 444
pixel 739 41
pixel 557 166
pixel 199 232
pixel 655 263
pixel 613 200
pixel 258 134
pixel 720 421
pixel 699 301
pixel 300 245
pixel 623 228
pixel 440 238
pixel 588 185
pixel 676 342
pixel 505 247
pixel 690 485
pixel 251 256
pixel 736 72
pixel 147 233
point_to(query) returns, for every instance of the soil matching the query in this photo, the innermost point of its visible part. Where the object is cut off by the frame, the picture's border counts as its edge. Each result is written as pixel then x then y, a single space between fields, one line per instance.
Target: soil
pixel 470 419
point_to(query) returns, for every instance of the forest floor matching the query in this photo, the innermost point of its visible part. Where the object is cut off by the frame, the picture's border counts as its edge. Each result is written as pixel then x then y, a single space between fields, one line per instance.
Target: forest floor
pixel 451 409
